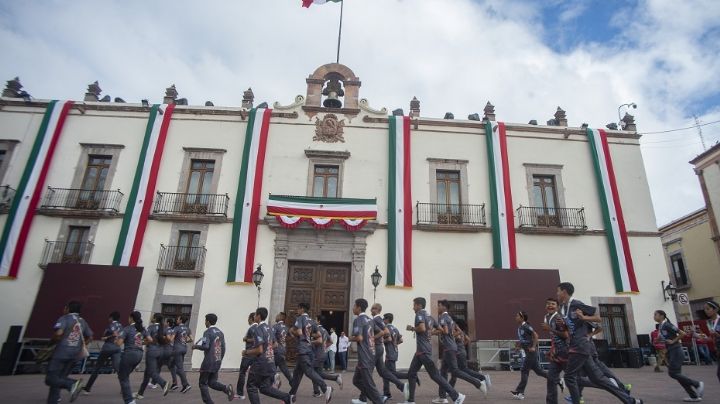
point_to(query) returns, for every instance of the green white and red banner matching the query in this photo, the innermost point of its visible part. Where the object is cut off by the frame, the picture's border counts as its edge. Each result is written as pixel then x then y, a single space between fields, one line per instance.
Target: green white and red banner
pixel 137 211
pixel 399 204
pixel 29 190
pixel 622 263
pixel 308 3
pixel 351 213
pixel 247 201
pixel 501 207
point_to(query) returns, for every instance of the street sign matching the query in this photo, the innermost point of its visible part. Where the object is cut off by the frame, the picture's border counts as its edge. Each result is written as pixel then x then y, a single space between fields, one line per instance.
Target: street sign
pixel 683 298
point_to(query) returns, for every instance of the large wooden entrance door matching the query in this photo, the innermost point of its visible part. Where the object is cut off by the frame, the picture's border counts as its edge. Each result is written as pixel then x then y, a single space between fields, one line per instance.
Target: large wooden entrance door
pixel 325 287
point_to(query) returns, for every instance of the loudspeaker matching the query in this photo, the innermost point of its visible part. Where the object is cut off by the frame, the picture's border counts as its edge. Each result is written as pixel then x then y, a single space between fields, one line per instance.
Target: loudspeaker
pixel 634 358
pixel 14 333
pixel 8 357
pixel 644 341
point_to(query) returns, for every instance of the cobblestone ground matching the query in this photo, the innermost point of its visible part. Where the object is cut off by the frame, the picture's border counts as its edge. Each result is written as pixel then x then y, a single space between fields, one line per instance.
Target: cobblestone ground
pixel 650 386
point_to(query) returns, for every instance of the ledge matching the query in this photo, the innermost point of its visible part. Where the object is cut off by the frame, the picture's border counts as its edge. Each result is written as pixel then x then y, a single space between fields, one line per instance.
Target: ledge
pixel 344 155
pixel 190 218
pixel 344 111
pixel 204 150
pixel 181 274
pixel 452 228
pixel 552 230
pixel 78 213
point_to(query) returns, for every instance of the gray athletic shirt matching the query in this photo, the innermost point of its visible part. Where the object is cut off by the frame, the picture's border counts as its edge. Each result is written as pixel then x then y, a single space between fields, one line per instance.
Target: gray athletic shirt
pixel 181 333
pixel 362 326
pixel 111 332
pixel 423 338
pixel 447 340
pixel 307 328
pixel 279 331
pixel 391 344
pixel 132 338
pixel 578 328
pixel 74 329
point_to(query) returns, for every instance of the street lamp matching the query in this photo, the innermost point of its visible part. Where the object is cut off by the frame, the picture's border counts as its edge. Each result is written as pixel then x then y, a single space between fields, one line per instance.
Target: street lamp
pixel 375 278
pixel 257 280
pixel 669 291
pixel 630 104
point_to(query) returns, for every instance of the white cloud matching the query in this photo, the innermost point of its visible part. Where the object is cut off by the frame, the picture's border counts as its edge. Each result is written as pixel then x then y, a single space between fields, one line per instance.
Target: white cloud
pixel 454 55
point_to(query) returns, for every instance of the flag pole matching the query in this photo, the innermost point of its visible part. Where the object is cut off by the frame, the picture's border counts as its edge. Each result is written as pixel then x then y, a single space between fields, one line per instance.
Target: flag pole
pixel 342 3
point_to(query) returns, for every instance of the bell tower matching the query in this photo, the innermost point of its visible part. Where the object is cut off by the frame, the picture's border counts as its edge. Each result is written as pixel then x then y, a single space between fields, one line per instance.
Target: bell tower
pixel 332 88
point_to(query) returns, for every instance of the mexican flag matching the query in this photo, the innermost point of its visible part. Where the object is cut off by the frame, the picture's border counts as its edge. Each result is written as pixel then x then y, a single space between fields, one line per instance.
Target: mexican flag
pixel 308 3
pixel 399 204
pixel 622 263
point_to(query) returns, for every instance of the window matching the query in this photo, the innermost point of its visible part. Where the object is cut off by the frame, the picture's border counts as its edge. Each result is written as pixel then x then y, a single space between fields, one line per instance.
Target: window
pixel 201 174
pixel 325 181
pixel 96 172
pixel 176 310
pixel 188 250
pixel 615 326
pixel 545 200
pixel 458 310
pixel 679 272
pixel 6 150
pixel 76 244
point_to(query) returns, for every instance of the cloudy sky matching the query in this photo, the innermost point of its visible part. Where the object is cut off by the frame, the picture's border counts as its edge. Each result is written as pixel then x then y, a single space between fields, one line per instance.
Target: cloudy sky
pixel 527 57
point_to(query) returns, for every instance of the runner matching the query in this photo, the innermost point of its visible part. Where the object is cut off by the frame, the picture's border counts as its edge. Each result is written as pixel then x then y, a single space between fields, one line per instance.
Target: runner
pixel 109 351
pixel 246 361
pixel 363 333
pixel 262 372
pixel 711 311
pixel 462 340
pixel 182 337
pixel 528 342
pixel 672 336
pixel 213 344
pixel 423 355
pixel 321 340
pixel 555 325
pixel 166 358
pixel 279 331
pixel 391 342
pixel 303 331
pixel 153 356
pixel 133 337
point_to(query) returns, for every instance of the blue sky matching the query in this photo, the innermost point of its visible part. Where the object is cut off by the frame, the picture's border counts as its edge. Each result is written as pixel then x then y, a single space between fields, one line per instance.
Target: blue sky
pixel 528 57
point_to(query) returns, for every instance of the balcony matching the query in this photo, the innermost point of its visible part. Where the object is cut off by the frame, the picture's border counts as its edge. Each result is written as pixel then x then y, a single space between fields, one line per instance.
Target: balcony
pixel 204 208
pixel 81 202
pixel 6 198
pixel 181 261
pixel 62 252
pixel 452 217
pixel 554 220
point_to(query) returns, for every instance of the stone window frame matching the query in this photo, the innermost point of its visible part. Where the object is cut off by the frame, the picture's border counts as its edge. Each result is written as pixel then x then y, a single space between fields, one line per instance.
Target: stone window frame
pixel 670 254
pixel 554 170
pixel 436 164
pixel 9 146
pixel 596 301
pixel 200 153
pixel 89 149
pixel 324 158
pixel 68 222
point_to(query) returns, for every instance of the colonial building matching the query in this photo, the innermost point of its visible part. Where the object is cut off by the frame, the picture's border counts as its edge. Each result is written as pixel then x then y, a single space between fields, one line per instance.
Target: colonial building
pixel 323 193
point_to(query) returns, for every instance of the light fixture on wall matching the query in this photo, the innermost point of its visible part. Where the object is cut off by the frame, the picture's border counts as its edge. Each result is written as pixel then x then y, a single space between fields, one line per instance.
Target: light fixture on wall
pixel 669 291
pixel 375 278
pixel 257 279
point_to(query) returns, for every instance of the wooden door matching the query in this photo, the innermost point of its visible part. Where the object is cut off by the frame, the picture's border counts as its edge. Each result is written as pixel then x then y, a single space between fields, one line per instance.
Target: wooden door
pixel 323 286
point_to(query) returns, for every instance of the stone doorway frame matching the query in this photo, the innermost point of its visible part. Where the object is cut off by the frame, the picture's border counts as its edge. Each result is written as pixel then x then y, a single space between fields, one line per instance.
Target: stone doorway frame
pixel 305 243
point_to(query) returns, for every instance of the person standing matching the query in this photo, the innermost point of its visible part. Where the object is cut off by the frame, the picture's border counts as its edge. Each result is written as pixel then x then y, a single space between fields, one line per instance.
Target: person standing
pixel 528 342
pixel 212 344
pixel 109 351
pixel 246 361
pixel 363 333
pixel 577 317
pixel 380 331
pixel 179 349
pixel 279 331
pixel 446 332
pixel 332 350
pixel 132 338
pixel 424 324
pixel 659 345
pixel 153 356
pixel 303 330
pixel 343 344
pixel 262 372
pixel 711 311
pixel 71 336
pixel 672 336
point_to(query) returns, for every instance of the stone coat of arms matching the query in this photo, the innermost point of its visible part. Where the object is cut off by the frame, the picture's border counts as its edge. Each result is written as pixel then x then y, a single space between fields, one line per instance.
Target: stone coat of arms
pixel 329 130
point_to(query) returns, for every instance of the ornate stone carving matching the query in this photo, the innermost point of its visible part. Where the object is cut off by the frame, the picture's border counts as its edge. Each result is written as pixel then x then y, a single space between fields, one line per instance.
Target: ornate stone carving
pixel 299 101
pixel 93 92
pixel 365 106
pixel 489 112
pixel 329 130
pixel 171 94
pixel 248 98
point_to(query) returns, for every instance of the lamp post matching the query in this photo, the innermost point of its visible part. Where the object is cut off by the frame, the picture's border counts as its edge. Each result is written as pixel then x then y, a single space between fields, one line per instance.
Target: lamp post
pixel 257 278
pixel 669 291
pixel 375 278
pixel 629 104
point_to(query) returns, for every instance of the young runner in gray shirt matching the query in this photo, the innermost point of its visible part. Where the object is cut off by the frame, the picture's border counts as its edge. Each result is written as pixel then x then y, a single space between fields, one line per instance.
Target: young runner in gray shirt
pixel 212 344
pixel 132 338
pixel 109 351
pixel 262 372
pixel 363 334
pixel 303 330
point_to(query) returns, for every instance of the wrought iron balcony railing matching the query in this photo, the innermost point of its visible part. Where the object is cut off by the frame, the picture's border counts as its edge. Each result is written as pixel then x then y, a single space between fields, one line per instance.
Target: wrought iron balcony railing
pixel 62 252
pixel 177 258
pixel 540 217
pixel 167 203
pixel 450 214
pixel 82 199
pixel 7 195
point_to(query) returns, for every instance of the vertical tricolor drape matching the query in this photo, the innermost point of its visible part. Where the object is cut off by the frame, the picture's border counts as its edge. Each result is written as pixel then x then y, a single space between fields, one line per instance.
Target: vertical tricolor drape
pixel 247 202
pixel 141 196
pixel 22 210
pixel 399 204
pixel 620 257
pixel 501 206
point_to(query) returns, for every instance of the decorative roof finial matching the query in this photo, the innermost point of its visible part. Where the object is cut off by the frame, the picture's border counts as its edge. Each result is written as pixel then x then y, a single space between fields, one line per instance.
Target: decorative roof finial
pixel 414 107
pixel 248 98
pixel 93 92
pixel 170 95
pixel 489 112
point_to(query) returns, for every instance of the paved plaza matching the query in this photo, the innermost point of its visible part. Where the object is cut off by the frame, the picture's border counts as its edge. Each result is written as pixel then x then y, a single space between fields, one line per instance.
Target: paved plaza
pixel 650 386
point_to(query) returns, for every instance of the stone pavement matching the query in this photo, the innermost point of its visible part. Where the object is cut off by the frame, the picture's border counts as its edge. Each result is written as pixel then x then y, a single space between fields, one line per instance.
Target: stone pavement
pixel 650 386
